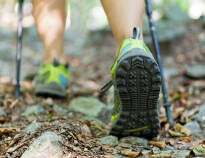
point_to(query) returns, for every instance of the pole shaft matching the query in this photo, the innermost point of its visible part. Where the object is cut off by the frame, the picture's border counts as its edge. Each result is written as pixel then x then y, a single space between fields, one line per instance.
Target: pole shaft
pixel 19 48
pixel 157 51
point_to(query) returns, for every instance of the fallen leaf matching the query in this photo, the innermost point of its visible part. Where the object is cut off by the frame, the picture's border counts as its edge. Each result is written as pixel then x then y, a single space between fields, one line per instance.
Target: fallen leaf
pixel 180 131
pixel 175 134
pixel 131 154
pixel 171 142
pixel 160 144
pixel 108 156
pixel 14 103
pixel 80 138
pixel 7 131
pixel 187 139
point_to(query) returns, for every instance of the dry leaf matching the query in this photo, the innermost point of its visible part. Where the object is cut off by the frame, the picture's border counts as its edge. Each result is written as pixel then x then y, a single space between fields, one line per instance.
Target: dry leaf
pixel 171 142
pixel 80 138
pixel 14 103
pixel 7 131
pixel 160 144
pixel 2 120
pixel 131 154
pixel 175 134
pixel 187 139
pixel 180 131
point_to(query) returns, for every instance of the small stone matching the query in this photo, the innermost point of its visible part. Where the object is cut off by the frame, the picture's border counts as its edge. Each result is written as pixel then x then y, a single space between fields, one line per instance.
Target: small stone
pixel 169 72
pixel 181 154
pixel 86 105
pixel 34 110
pixel 49 101
pixel 60 110
pixel 2 112
pixel 108 140
pixel 167 153
pixel 196 71
pixel 134 140
pixel 201 115
pixel 31 128
pixel 193 127
pixel 47 145
pixel 168 147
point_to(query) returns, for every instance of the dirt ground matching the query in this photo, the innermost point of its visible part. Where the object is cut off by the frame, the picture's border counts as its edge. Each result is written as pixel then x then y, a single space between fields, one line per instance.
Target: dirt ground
pixel 90 63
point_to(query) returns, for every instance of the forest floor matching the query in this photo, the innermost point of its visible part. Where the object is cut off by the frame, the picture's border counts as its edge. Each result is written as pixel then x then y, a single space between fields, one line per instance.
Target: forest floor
pixel 78 125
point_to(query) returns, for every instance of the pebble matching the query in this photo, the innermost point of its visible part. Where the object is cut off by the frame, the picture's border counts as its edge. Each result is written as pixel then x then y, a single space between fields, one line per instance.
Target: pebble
pixel 193 126
pixel 2 112
pixel 201 115
pixel 34 110
pixel 109 140
pixel 47 145
pixel 196 71
pixel 31 128
pixel 58 109
pixel 134 140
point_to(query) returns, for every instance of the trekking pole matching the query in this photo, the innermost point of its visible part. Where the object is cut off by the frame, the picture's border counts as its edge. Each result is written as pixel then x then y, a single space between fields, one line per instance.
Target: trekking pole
pixel 157 51
pixel 19 48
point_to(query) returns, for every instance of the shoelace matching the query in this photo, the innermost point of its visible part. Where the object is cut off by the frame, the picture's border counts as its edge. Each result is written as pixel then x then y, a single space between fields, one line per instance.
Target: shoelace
pixel 106 87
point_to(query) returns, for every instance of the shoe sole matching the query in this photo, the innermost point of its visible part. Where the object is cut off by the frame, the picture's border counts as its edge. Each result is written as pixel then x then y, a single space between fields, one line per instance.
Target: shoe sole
pixel 50 90
pixel 138 83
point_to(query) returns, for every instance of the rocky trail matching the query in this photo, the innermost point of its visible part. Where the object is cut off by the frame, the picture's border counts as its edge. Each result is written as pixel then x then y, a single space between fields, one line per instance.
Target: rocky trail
pixel 78 126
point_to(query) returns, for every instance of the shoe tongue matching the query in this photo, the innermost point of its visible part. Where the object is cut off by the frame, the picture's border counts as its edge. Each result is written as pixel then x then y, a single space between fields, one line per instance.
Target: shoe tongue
pixel 56 62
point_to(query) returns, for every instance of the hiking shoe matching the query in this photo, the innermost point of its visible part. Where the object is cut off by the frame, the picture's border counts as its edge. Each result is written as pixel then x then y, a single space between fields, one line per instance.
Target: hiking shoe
pixel 52 80
pixel 136 79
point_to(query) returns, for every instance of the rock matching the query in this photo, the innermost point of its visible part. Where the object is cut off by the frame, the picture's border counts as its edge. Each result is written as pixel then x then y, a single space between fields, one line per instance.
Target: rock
pixel 49 101
pixel 167 153
pixel 106 113
pixel 91 119
pixel 169 72
pixel 47 145
pixel 168 147
pixel 58 109
pixel 31 128
pixel 181 154
pixel 2 112
pixel 201 115
pixel 108 140
pixel 134 140
pixel 193 127
pixel 196 71
pixel 34 110
pixel 199 151
pixel 86 105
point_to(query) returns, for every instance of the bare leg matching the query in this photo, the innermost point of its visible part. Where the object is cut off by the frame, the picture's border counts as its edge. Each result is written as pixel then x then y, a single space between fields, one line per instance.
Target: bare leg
pixel 123 16
pixel 49 17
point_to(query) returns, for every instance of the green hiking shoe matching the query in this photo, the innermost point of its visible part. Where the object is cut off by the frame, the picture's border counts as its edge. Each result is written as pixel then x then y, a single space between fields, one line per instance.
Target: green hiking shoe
pixel 136 79
pixel 52 80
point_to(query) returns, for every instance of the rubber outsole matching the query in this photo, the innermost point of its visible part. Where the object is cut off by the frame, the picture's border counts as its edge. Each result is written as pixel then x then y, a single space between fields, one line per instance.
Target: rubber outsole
pixel 138 81
pixel 50 90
